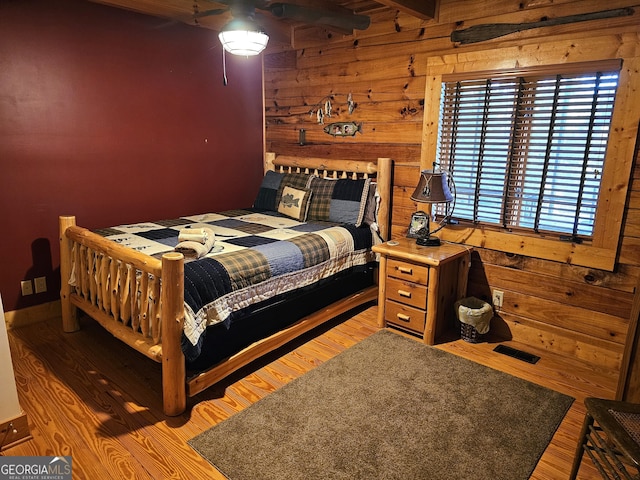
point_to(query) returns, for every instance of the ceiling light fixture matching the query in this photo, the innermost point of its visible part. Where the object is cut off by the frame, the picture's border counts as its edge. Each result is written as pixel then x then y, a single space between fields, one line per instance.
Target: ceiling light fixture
pixel 243 37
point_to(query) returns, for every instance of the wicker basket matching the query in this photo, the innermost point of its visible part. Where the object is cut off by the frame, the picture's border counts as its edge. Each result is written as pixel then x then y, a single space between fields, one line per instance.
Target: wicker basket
pixel 473 312
pixel 468 333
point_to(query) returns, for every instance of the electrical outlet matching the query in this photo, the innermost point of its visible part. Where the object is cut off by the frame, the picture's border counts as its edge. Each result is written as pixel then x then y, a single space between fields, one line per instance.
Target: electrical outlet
pixel 26 287
pixel 40 284
pixel 498 298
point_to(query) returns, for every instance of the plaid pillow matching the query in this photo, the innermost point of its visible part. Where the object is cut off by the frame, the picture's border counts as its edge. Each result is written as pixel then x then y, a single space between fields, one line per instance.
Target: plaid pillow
pixel 341 201
pixel 295 180
pixel 273 183
pixel 373 204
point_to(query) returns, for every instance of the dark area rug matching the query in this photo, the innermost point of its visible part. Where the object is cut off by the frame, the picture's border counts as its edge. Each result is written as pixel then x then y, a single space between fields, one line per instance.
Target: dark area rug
pixel 390 408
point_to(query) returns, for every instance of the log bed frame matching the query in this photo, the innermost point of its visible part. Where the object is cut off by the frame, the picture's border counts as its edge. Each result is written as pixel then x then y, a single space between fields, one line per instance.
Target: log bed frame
pixel 140 299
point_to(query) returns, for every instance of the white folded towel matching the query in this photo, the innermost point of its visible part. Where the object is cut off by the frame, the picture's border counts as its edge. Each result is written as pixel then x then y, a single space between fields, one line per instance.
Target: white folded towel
pixel 199 235
pixel 197 249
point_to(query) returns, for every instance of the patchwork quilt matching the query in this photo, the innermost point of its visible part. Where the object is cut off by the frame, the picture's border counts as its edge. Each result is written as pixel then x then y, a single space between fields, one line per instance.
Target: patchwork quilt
pixel 256 255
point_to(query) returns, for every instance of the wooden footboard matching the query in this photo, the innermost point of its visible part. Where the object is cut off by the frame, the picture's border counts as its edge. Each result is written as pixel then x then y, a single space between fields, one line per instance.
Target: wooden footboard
pixel 140 299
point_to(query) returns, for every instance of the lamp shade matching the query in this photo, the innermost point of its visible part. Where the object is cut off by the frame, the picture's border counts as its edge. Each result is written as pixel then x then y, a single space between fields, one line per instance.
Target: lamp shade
pixel 243 37
pixel 433 187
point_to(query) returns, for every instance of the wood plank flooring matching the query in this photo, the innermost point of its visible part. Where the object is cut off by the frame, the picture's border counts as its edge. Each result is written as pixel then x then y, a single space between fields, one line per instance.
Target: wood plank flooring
pixel 88 396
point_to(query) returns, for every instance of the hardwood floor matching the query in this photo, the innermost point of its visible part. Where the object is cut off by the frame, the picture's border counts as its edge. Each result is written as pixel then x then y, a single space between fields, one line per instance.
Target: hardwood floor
pixel 88 396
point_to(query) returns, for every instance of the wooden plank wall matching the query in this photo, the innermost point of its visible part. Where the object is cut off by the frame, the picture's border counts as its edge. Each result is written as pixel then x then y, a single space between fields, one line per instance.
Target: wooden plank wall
pixel 578 312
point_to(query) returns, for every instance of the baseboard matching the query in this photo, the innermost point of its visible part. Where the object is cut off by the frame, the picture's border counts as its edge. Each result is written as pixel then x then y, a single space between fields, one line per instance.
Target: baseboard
pixel 35 314
pixel 14 431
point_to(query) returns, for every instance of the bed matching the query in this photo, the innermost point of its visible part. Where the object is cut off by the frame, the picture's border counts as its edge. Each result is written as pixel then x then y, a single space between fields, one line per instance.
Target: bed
pixel 145 296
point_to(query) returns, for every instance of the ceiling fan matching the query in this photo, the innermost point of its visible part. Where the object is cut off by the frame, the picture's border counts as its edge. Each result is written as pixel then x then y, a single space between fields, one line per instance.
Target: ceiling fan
pixel 242 35
pixel 339 19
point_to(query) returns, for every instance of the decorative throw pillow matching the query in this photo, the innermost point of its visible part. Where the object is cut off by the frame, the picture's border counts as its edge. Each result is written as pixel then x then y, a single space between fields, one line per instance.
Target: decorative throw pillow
pixel 266 198
pixel 341 201
pixel 270 191
pixel 294 203
pixel 373 204
pixel 295 180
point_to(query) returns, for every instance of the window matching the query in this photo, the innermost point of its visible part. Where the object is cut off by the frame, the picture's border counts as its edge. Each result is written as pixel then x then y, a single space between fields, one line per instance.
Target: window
pixel 527 149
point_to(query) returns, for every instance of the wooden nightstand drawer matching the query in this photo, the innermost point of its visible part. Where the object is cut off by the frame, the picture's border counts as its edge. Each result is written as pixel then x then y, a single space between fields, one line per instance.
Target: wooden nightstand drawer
pixel 405 316
pixel 418 285
pixel 407 271
pixel 408 293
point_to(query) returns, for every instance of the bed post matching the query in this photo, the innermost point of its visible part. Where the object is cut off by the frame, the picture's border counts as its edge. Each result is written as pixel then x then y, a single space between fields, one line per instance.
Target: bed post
pixel 174 393
pixel 69 311
pixel 385 169
pixel 269 157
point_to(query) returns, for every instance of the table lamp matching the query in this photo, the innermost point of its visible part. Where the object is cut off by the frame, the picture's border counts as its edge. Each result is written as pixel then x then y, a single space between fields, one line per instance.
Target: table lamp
pixel 433 187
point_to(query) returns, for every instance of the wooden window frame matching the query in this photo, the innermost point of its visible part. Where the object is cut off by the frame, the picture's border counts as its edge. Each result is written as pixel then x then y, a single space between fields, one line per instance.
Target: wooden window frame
pixel 522 89
pixel 601 252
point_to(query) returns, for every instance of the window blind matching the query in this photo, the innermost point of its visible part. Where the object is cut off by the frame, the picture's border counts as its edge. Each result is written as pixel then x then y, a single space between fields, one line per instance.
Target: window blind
pixel 527 150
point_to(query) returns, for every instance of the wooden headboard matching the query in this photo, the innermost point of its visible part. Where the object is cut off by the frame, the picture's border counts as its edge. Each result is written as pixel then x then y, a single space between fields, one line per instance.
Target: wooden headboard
pixel 379 170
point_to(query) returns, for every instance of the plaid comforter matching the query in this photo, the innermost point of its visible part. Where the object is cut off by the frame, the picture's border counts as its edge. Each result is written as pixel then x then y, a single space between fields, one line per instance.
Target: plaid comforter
pixel 256 256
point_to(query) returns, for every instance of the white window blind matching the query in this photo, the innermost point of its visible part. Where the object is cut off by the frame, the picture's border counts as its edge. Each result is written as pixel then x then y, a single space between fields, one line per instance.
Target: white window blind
pixel 527 149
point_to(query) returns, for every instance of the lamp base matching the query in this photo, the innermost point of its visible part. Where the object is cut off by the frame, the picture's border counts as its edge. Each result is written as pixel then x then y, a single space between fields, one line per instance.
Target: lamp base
pixel 428 242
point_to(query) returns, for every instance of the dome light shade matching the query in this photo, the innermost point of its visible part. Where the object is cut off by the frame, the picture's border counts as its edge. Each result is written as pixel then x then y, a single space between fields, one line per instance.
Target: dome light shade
pixel 243 37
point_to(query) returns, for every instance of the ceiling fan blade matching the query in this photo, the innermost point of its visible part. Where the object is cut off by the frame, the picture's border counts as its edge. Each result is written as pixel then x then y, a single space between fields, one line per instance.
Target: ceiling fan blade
pixel 207 13
pixel 319 16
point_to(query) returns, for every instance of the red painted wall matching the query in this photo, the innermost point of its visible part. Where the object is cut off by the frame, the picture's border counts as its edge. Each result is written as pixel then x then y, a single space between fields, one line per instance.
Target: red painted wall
pixel 114 117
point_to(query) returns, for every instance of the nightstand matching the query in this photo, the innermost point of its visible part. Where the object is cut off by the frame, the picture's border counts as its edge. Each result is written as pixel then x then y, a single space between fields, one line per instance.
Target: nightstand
pixel 419 285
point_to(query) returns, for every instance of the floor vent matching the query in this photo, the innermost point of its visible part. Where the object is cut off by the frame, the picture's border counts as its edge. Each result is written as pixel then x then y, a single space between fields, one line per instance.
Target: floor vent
pixel 515 353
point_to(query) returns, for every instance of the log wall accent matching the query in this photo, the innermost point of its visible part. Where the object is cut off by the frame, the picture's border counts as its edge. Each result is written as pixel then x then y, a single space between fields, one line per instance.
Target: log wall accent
pixel 580 312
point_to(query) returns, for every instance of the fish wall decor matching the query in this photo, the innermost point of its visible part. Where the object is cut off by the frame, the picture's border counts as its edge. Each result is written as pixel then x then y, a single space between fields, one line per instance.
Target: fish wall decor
pixel 324 108
pixel 343 129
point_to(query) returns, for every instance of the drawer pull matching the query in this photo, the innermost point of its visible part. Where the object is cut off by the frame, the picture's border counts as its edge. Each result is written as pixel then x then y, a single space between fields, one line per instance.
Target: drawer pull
pixel 403 317
pixel 407 270
pixel 404 293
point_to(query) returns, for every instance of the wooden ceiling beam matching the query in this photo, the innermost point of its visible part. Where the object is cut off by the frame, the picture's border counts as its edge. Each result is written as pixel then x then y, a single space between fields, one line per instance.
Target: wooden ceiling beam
pixel 422 9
